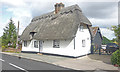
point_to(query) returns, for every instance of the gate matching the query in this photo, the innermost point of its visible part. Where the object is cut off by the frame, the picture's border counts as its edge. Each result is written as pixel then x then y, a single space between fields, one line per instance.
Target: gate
pixel 97 49
pixel 101 49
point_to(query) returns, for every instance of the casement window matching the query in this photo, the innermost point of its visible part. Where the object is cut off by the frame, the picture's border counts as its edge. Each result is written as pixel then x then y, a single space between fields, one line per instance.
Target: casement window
pixel 83 43
pixel 56 44
pixel 25 43
pixel 36 44
pixel 80 28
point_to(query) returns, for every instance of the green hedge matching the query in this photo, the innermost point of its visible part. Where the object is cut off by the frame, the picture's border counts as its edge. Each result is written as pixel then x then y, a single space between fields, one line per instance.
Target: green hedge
pixel 115 58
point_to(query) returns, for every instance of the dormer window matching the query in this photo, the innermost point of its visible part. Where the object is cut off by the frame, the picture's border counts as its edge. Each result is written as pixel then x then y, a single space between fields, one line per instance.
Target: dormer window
pixel 81 28
pixel 32 34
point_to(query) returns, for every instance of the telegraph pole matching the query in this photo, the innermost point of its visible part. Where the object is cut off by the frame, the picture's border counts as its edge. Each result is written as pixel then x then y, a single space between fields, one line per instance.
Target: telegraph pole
pixel 119 35
pixel 17 37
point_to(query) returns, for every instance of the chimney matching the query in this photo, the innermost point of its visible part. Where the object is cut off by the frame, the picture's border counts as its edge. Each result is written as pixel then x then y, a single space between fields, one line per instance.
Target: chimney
pixel 58 7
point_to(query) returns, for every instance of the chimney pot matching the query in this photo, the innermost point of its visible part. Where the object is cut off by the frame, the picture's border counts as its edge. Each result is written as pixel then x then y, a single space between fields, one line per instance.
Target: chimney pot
pixel 58 7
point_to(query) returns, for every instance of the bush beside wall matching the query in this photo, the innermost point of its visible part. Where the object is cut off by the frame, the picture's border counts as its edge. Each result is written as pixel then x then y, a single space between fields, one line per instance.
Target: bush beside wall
pixel 115 58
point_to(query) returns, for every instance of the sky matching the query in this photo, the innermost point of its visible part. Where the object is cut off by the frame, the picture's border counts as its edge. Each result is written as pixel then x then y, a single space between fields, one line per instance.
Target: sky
pixel 101 13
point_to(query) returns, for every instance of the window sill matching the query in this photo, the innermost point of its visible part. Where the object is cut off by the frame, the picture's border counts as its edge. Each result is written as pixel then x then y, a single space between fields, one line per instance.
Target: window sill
pixel 81 31
pixel 56 47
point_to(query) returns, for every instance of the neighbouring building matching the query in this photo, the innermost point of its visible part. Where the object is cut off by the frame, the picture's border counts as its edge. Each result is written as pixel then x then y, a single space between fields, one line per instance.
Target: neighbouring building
pixel 96 40
pixel 64 31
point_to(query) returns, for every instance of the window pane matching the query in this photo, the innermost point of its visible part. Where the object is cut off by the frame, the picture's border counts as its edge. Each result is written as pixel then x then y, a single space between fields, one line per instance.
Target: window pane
pixel 56 43
pixel 36 44
pixel 83 43
pixel 25 43
pixel 81 28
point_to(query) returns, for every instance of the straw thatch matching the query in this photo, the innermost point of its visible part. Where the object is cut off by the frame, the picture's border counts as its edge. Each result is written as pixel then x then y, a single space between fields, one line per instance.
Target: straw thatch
pixel 62 25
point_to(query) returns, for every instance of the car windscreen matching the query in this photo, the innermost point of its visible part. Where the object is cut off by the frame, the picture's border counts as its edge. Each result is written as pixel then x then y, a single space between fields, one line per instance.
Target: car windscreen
pixel 112 44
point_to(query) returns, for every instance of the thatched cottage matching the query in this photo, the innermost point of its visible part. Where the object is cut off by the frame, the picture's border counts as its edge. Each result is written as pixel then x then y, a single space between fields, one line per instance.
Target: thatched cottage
pixel 64 31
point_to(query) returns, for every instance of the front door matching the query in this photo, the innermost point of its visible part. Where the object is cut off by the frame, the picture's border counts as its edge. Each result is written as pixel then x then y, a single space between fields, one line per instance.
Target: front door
pixel 40 46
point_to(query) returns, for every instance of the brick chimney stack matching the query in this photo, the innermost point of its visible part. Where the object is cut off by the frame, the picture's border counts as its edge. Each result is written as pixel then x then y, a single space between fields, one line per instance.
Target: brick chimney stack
pixel 58 7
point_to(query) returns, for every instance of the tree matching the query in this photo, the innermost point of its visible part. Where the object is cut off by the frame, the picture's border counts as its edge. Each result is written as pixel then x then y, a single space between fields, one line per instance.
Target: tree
pixel 9 35
pixel 113 40
pixel 116 30
pixel 0 41
pixel 105 40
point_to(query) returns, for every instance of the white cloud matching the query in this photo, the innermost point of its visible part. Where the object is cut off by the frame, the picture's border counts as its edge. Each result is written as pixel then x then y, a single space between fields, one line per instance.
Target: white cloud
pixel 71 0
pixel 20 12
pixel 104 23
pixel 15 3
pixel 107 33
pixel 25 10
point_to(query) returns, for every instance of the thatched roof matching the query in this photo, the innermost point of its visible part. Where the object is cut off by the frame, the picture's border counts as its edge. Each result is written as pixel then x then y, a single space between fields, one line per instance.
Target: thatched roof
pixel 62 25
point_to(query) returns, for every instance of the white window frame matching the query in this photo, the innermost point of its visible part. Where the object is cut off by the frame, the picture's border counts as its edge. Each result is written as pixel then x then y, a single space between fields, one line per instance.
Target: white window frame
pixel 83 43
pixel 81 27
pixel 36 44
pixel 56 44
pixel 25 43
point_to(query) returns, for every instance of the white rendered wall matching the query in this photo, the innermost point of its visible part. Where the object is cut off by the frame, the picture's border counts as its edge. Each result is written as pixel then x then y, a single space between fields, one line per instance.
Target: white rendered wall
pixel 30 46
pixel 66 46
pixel 82 35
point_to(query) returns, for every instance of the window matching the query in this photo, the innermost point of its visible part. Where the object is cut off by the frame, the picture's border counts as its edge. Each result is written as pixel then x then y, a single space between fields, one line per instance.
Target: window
pixel 87 38
pixel 81 28
pixel 36 44
pixel 25 43
pixel 83 43
pixel 56 43
pixel 32 34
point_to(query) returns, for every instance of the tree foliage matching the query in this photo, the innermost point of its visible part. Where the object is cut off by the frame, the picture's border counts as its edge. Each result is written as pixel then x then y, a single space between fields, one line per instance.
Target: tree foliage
pixel 114 39
pixel 115 58
pixel 116 30
pixel 105 40
pixel 9 35
pixel 0 41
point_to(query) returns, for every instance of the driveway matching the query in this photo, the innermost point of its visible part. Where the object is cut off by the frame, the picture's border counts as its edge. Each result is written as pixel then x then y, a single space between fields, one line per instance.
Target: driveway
pixel 104 58
pixel 88 63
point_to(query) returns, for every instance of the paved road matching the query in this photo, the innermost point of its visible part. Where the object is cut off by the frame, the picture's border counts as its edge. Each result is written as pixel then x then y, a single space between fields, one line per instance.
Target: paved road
pixel 14 63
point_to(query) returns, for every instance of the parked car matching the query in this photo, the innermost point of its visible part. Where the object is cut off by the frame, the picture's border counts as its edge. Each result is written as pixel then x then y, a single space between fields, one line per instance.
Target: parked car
pixel 111 47
pixel 104 46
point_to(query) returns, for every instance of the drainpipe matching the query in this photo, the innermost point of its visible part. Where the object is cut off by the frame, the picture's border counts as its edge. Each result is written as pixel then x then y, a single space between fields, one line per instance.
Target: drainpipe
pixel 91 40
pixel 92 46
pixel 74 43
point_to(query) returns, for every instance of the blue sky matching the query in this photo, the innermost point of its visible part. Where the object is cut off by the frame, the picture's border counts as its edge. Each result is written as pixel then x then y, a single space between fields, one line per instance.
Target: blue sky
pixel 6 14
pixel 102 13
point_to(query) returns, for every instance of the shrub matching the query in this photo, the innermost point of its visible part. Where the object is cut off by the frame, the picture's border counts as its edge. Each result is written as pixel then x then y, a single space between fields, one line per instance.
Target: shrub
pixel 3 48
pixel 115 58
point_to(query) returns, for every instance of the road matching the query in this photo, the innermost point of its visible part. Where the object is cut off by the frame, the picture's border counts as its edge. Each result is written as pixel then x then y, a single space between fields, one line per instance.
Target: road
pixel 14 63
